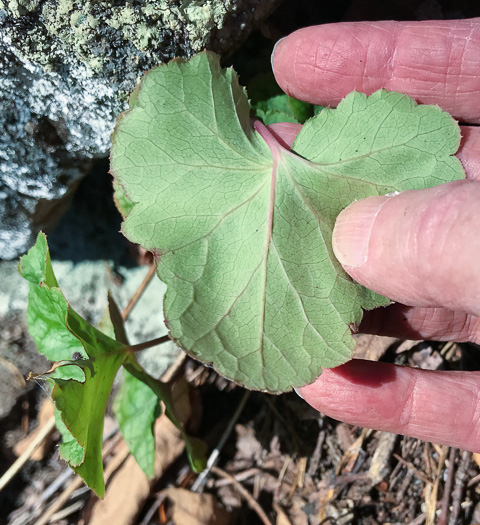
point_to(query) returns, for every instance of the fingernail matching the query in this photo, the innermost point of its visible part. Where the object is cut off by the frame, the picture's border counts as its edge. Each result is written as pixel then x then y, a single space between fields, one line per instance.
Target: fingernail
pixel 352 231
pixel 274 48
pixel 297 391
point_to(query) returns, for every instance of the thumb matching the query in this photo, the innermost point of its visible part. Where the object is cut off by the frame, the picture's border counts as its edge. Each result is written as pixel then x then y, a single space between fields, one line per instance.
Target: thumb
pixel 420 248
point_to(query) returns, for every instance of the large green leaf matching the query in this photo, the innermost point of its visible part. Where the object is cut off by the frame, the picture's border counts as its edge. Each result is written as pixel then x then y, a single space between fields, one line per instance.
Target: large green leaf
pixel 81 388
pixel 242 228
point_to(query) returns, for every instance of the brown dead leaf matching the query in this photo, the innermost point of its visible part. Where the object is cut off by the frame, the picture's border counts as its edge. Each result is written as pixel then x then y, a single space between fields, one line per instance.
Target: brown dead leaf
pixel 296 511
pixel 14 371
pixel 476 458
pixel 372 347
pixel 380 465
pixel 129 487
pixel 196 509
pixel 45 414
pixel 282 518
pixel 248 445
pixel 350 456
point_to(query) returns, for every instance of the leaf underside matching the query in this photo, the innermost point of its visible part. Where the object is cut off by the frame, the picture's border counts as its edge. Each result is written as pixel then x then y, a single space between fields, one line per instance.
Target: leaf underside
pixel 242 227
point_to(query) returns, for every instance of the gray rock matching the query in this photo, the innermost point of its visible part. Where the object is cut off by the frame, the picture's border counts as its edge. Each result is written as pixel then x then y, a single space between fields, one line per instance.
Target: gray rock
pixel 89 257
pixel 66 69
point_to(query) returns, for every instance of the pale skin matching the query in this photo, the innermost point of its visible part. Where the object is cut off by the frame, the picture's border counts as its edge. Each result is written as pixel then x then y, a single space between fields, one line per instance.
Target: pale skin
pixel 420 248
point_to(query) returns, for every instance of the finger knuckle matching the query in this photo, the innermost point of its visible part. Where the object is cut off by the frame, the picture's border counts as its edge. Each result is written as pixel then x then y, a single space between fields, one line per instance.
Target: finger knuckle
pixel 435 230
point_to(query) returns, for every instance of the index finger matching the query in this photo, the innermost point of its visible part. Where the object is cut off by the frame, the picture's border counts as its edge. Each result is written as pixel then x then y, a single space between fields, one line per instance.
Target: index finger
pixel 435 62
pixel 436 406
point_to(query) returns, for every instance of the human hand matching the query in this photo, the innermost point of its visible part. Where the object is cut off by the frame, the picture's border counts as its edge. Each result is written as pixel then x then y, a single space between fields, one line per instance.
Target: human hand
pixel 420 248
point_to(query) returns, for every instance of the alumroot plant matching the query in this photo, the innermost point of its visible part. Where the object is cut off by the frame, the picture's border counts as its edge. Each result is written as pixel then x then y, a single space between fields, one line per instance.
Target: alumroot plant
pixel 241 229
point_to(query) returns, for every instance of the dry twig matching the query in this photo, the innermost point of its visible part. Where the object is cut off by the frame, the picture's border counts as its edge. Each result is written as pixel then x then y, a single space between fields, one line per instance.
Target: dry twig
pixel 412 467
pixel 70 489
pixel 60 501
pixel 431 496
pixel 199 482
pixel 460 481
pixel 252 503
pixel 139 292
pixel 21 460
pixel 447 488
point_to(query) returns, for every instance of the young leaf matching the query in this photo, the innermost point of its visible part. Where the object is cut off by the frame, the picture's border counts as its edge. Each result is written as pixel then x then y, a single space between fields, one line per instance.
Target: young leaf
pixel 283 107
pixel 196 448
pixel 273 117
pixel 242 228
pixel 267 99
pixel 136 407
pixel 271 105
pixel 79 398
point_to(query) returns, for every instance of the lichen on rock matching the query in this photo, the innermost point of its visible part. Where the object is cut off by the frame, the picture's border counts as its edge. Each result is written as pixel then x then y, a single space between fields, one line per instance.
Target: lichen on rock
pixel 20 7
pixel 66 69
pixel 152 30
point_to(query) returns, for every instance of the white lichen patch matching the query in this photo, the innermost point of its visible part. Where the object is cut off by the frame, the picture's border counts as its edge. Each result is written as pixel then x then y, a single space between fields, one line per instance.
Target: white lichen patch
pixel 148 27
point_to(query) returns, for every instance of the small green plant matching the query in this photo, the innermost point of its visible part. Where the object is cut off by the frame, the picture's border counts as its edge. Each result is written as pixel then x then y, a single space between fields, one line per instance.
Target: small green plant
pixel 241 230
pixel 87 361
pixel 270 105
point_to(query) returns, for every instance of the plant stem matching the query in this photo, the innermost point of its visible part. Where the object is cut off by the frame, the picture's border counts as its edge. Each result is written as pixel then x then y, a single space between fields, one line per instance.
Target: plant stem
pixel 139 292
pixel 200 481
pixel 132 366
pixel 147 344
pixel 252 503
